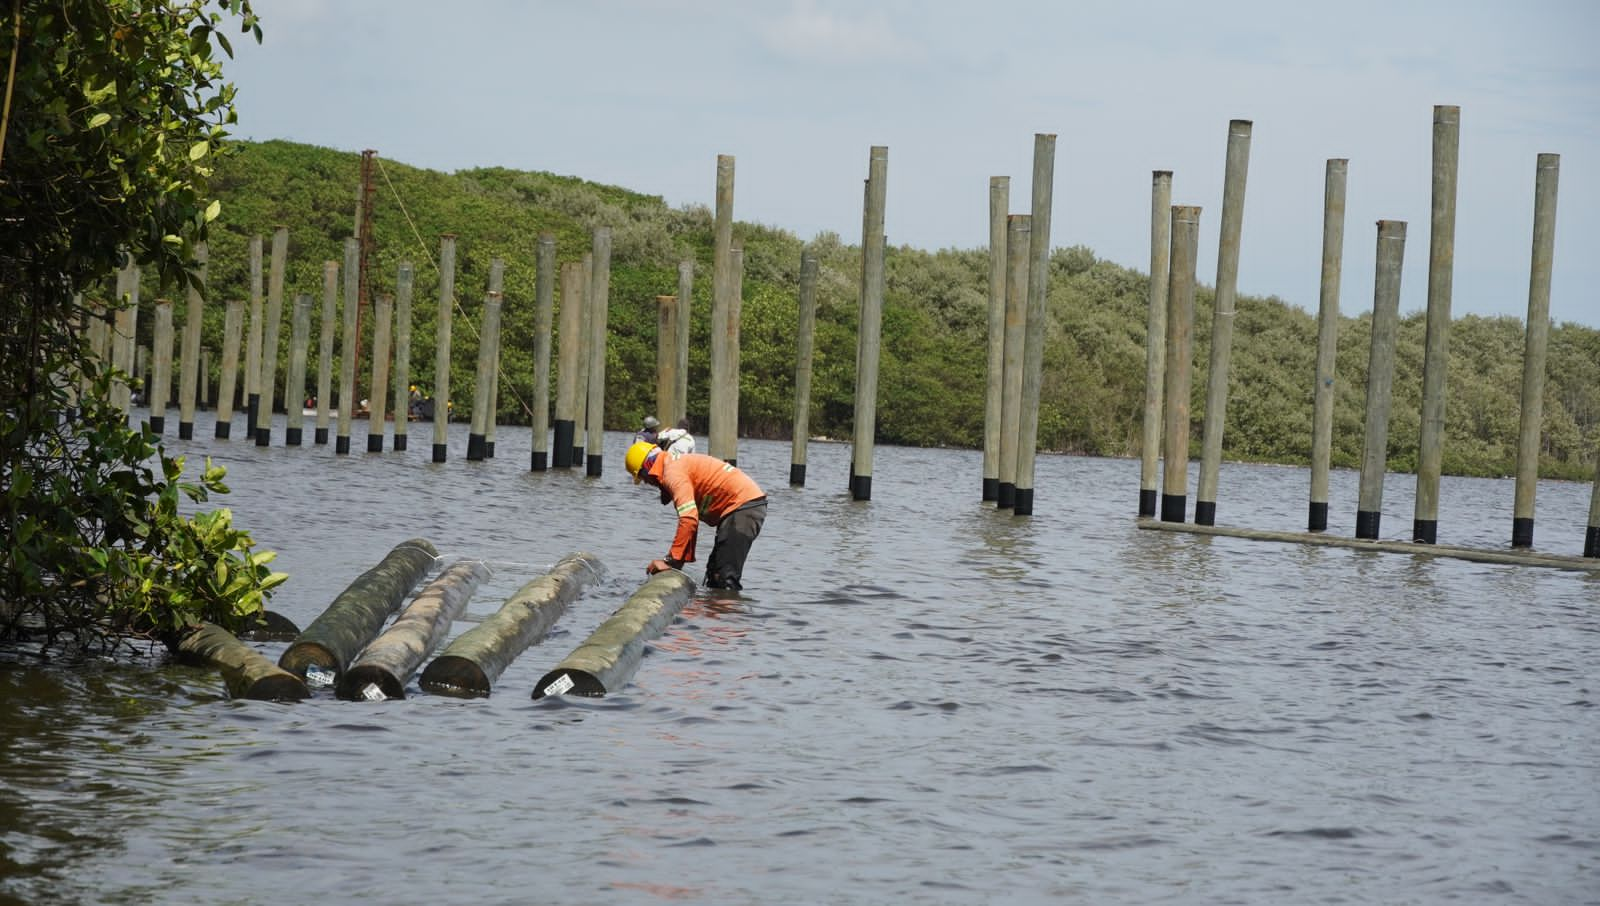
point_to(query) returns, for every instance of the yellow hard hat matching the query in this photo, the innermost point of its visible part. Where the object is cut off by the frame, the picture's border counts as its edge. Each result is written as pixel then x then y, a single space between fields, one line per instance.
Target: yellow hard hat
pixel 634 459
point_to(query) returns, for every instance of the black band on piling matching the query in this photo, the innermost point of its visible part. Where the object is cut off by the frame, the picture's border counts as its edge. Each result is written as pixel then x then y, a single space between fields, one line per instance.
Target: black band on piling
pixel 440 451
pixel 861 487
pixel 293 436
pixel 592 465
pixel 1317 519
pixel 563 443
pixel 1591 542
pixel 374 443
pixel 263 437
pixel 1425 531
pixel 1205 512
pixel 186 430
pixel 536 463
pixel 223 430
pixel 399 443
pixel 252 404
pixel 488 449
pixel 1522 532
pixel 1173 507
pixel 1367 524
pixel 1024 503
pixel 732 460
pixel 1005 496
pixel 474 447
pixel 341 444
pixel 577 456
pixel 320 436
pixel 991 488
pixel 1147 502
pixel 797 474
pixel 158 423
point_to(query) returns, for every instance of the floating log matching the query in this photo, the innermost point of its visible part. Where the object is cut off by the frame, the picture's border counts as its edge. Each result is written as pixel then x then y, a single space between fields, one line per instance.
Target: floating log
pixel 333 640
pixel 605 661
pixel 245 671
pixel 383 668
pixel 472 662
pixel 270 626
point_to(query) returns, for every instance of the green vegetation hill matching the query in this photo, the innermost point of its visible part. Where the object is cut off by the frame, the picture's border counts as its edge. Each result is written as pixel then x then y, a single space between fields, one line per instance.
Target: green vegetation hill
pixel 934 322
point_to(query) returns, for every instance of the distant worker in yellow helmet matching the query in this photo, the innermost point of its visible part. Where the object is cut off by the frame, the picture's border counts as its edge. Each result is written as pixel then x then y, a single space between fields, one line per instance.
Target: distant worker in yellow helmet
pixel 703 489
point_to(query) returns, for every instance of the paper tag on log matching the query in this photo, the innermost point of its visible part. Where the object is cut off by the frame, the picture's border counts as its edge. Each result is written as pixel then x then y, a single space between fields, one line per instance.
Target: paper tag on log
pixel 372 693
pixel 560 685
pixel 316 676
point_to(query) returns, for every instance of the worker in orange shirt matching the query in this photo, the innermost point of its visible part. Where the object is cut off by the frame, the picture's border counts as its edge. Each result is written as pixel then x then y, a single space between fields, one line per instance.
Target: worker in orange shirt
pixel 703 489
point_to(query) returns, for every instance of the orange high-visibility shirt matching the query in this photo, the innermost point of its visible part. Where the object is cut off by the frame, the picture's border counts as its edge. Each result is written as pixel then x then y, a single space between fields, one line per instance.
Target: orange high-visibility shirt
pixel 703 489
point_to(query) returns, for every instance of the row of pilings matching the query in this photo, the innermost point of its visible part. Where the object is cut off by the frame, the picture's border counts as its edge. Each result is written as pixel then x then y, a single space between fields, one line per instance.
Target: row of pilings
pixel 1174 236
pixel 1018 290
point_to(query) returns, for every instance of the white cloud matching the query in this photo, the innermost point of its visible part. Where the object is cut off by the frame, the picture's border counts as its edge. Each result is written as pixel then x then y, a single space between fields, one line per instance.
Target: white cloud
pixel 809 33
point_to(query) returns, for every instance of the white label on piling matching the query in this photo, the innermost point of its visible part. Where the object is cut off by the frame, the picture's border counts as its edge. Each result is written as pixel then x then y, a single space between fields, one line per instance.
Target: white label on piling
pixel 372 693
pixel 560 685
pixel 316 676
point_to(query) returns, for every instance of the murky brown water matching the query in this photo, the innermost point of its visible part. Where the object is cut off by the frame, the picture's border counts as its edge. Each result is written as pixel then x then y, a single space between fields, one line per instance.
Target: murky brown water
pixel 916 699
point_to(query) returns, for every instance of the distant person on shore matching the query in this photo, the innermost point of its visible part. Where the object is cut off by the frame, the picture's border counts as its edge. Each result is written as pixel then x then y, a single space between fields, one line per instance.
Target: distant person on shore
pixel 648 433
pixel 703 488
pixel 676 441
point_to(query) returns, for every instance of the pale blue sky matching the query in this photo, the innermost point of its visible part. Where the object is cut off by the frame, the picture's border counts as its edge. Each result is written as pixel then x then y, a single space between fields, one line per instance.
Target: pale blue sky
pixel 646 94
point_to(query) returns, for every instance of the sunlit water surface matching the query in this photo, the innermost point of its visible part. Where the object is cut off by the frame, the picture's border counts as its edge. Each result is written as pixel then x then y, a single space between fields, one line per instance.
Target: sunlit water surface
pixel 916 699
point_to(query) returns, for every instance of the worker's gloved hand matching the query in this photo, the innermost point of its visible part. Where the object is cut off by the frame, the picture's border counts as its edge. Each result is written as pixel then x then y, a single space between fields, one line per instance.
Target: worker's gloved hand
pixel 656 566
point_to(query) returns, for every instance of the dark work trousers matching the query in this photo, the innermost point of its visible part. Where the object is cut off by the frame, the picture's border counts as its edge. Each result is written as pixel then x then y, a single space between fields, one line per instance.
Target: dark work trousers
pixel 735 534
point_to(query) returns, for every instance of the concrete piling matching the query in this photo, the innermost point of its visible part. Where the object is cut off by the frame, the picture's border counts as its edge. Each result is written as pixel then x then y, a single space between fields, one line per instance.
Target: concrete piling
pixel 404 285
pixel 1044 163
pixel 869 337
pixel 1155 349
pixel 294 387
pixel 269 335
pixel 580 412
pixel 120 338
pixel 483 387
pixel 253 338
pixel 1380 375
pixel 994 399
pixel 441 357
pixel 1180 362
pixel 474 660
pixel 544 309
pixel 680 405
pixel 330 312
pixel 600 299
pixel 497 274
pixel 377 405
pixel 1238 165
pixel 189 373
pixel 159 390
pixel 348 342
pixel 805 344
pixel 1436 344
pixel 569 354
pixel 724 413
pixel 1019 228
pixel 608 658
pixel 666 358
pixel 203 390
pixel 227 385
pixel 1333 193
pixel 1536 344
pixel 1591 538
pixel 384 666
